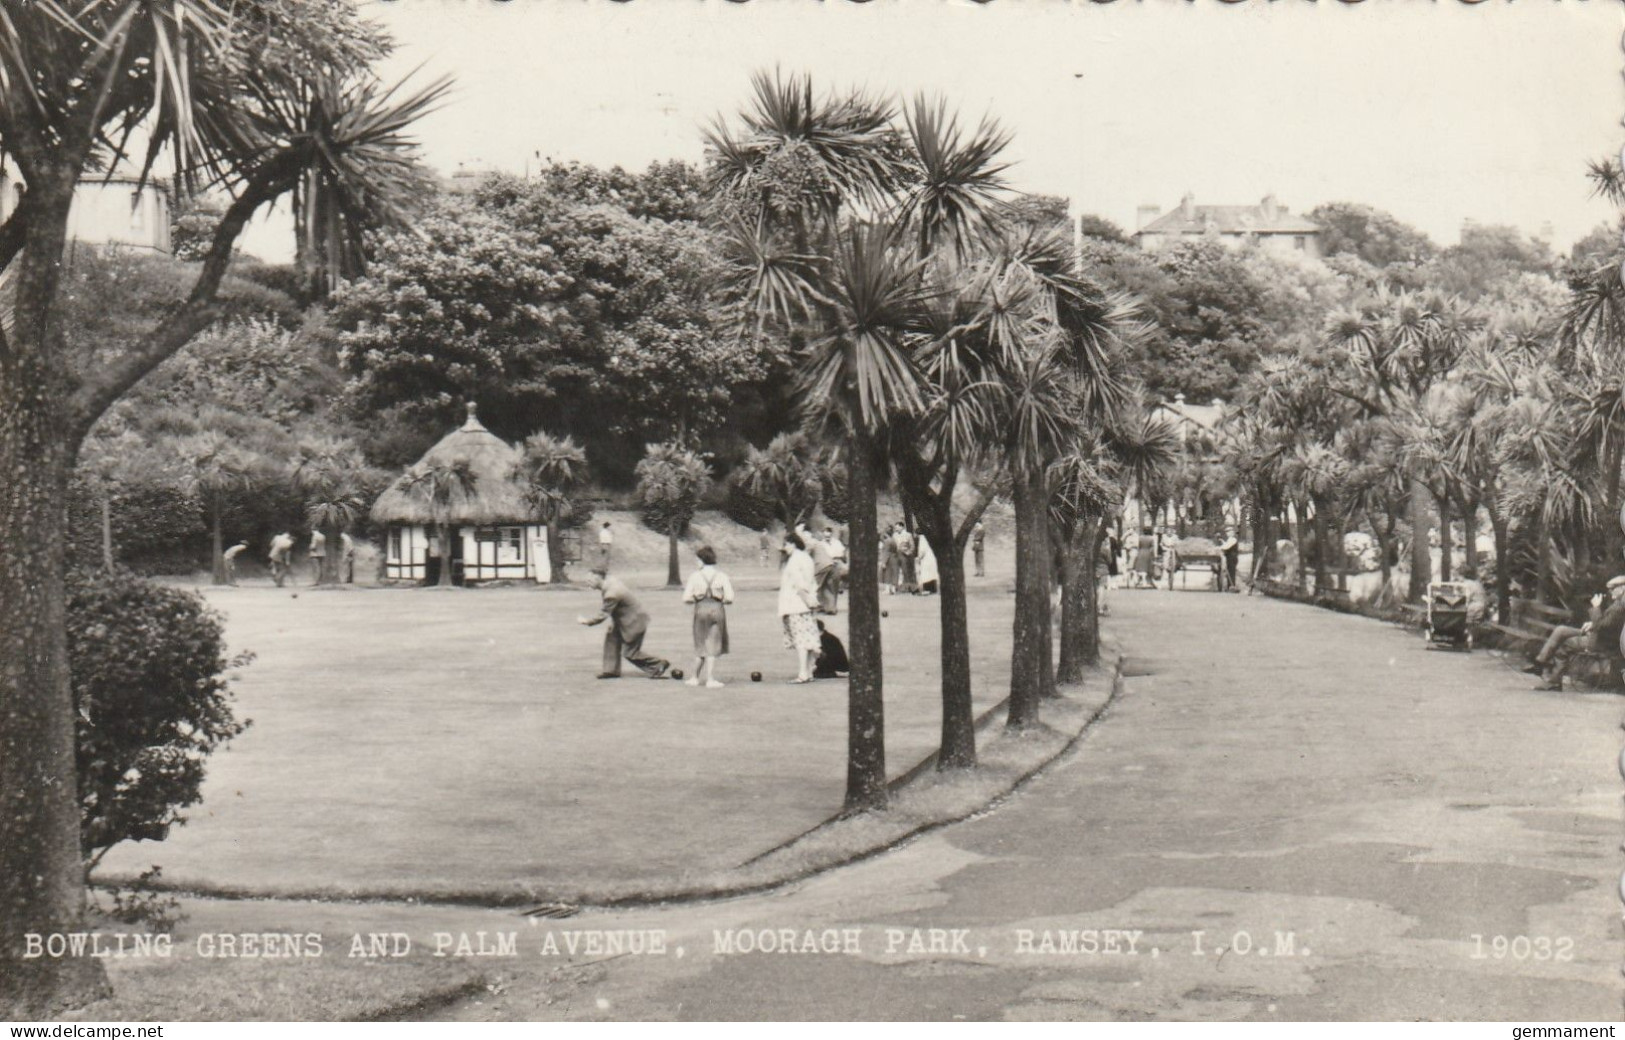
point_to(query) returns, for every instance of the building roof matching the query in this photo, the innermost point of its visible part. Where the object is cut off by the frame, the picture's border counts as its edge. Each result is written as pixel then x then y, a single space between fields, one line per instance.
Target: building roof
pixel 497 496
pixel 1202 416
pixel 1230 220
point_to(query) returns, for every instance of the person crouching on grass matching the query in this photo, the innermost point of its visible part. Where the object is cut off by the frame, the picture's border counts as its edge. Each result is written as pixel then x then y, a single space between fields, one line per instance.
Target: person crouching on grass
pixel 710 591
pixel 629 623
pixel 798 598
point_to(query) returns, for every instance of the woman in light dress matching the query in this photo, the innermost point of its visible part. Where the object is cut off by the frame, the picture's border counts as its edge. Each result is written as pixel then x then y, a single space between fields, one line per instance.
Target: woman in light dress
pixel 710 591
pixel 798 598
pixel 926 567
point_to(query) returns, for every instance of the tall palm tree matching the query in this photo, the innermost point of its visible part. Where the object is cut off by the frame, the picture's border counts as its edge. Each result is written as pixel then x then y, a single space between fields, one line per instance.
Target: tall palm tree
pixel 1397 346
pixel 225 92
pixel 331 476
pixel 442 486
pixel 1133 448
pixel 787 473
pixel 790 186
pixel 671 481
pixel 216 466
pixel 549 468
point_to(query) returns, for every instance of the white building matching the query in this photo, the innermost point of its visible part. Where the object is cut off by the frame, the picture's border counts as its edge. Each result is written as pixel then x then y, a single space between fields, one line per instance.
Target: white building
pixel 117 210
pixel 494 534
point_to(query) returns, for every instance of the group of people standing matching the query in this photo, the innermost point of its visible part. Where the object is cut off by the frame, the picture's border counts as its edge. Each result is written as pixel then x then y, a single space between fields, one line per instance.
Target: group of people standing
pixel 279 558
pixel 907 563
pixel 809 585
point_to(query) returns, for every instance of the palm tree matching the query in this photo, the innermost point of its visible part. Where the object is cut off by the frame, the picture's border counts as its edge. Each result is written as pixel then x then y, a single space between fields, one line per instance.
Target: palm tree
pixel 1133 449
pixel 442 486
pixel 787 472
pixel 216 467
pixel 331 476
pixel 788 187
pixel 671 482
pixel 1054 334
pixel 1397 346
pixel 229 94
pixel 550 468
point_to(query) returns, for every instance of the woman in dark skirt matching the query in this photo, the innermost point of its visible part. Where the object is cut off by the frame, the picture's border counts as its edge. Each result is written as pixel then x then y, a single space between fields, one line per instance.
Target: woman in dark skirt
pixel 710 591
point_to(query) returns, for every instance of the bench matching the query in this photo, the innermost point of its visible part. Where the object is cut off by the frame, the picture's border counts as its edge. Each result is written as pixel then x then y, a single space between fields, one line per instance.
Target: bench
pixel 1212 562
pixel 1532 625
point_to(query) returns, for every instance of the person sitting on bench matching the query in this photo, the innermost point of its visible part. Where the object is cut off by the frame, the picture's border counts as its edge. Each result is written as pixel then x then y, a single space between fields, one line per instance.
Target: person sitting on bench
pixel 1600 634
pixel 832 662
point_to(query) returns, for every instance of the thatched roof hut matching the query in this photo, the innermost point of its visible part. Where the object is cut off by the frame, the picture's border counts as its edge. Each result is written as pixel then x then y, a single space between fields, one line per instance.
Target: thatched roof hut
pixel 497 497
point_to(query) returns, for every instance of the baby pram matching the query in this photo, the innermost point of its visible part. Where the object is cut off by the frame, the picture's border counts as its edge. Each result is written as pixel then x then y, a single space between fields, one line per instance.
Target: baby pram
pixel 1448 627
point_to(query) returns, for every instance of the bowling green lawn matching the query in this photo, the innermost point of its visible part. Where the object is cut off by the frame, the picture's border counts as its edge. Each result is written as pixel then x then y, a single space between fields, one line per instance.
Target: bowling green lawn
pixel 455 744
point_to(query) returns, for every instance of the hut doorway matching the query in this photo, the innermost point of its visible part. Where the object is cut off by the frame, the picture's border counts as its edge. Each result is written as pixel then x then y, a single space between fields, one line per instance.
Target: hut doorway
pixel 436 558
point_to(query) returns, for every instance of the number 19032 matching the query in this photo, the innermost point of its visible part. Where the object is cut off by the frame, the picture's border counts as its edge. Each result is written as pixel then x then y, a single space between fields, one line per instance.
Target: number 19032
pixel 1522 948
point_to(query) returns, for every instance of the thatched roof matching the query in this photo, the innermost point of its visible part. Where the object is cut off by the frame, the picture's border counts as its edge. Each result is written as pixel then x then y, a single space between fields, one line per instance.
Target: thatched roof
pixel 497 496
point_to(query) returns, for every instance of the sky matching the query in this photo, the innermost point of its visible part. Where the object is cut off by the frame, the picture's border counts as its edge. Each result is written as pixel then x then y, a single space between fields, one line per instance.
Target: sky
pixel 1435 111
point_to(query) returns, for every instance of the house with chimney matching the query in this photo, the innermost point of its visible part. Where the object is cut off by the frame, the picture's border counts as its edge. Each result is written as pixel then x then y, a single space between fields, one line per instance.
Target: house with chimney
pixel 1269 226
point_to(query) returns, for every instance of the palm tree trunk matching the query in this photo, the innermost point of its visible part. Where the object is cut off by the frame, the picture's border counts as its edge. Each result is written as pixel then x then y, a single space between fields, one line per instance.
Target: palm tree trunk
pixel 107 530
pixel 1046 658
pixel 935 516
pixel 217 554
pixel 1340 558
pixel 333 562
pixel 40 857
pixel 555 551
pixel 674 576
pixel 865 706
pixel 1031 629
pixel 1421 554
pixel 1612 533
pixel 1543 559
pixel 1069 668
pixel 1384 540
pixel 1263 536
pixel 1297 542
pixel 445 554
pixel 1080 612
pixel 1446 545
pixel 1322 550
pixel 1503 568
pixel 1469 536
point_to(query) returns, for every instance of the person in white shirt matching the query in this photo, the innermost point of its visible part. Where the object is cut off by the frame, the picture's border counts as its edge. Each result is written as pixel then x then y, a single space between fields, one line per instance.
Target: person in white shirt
pixel 838 567
pixel 926 567
pixel 710 591
pixel 281 556
pixel 317 554
pixel 230 558
pixel 798 598
pixel 606 541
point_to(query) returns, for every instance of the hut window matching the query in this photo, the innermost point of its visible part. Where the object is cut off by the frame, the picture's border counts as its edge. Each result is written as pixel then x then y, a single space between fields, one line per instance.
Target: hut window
pixel 395 543
pixel 511 543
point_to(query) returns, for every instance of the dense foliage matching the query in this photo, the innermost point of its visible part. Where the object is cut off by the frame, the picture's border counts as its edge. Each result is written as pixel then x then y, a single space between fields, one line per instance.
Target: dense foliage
pixel 149 668
pixel 582 296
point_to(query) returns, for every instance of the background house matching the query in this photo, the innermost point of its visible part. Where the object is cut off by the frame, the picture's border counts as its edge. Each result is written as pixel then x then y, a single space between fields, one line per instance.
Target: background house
pixel 1268 225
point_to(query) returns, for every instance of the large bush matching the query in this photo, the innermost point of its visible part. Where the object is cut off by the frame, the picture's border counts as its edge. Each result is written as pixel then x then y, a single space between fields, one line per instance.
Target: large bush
pixel 158 528
pixel 148 666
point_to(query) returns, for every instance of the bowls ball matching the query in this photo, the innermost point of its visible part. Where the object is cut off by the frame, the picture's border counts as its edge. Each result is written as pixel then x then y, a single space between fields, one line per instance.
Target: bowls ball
pixel 676 673
pixel 755 676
